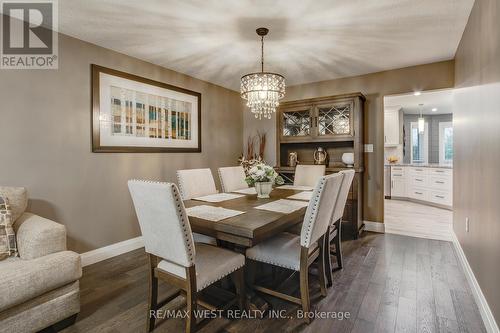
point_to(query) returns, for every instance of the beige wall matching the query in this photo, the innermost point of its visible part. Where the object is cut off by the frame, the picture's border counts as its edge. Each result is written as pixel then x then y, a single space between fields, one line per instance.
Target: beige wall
pixel 46 143
pixel 476 186
pixel 374 87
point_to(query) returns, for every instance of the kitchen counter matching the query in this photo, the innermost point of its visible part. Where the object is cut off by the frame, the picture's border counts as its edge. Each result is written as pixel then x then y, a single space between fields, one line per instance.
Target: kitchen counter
pixel 421 165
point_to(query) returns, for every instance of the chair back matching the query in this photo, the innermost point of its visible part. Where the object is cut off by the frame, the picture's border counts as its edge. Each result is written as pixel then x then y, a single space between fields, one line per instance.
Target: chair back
pixel 163 221
pixel 195 183
pixel 232 178
pixel 338 211
pixel 308 175
pixel 319 212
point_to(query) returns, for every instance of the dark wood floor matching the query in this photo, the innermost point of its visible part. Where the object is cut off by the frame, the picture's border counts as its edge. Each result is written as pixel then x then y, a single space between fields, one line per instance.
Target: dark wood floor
pixel 389 283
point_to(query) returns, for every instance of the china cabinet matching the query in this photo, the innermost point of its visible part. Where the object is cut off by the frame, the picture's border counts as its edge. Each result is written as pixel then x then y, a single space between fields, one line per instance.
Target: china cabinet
pixel 333 124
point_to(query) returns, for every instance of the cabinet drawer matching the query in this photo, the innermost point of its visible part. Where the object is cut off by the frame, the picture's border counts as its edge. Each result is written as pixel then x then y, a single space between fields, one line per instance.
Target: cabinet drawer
pixel 418 171
pixel 419 180
pixel 440 197
pixel 441 172
pixel 398 169
pixel 419 193
pixel 441 183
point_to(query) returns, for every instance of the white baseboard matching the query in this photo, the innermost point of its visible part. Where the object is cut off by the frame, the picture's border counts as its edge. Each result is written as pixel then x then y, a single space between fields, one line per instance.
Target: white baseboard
pixel 374 226
pixel 110 251
pixel 484 308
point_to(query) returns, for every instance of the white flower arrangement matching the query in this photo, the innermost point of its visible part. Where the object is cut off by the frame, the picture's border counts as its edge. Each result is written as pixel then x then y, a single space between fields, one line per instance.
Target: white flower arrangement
pixel 262 173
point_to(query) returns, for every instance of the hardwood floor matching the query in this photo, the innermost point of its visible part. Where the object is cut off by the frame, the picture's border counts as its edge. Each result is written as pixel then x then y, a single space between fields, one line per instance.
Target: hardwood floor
pixel 413 219
pixel 390 283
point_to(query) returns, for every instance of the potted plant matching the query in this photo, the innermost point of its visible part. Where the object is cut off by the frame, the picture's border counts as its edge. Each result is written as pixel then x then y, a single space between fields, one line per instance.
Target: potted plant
pixel 263 177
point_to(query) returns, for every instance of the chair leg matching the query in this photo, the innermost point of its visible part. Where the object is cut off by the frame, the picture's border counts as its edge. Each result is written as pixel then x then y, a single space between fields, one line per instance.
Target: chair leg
pixel 321 265
pixel 338 248
pixel 239 282
pixel 328 261
pixel 153 296
pixel 191 298
pixel 191 309
pixel 304 292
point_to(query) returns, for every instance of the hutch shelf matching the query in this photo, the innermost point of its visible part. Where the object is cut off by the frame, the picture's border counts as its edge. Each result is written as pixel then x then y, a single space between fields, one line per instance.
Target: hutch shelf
pixel 334 123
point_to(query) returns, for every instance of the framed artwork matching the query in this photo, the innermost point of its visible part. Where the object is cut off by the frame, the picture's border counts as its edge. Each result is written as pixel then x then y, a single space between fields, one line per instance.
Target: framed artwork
pixel 132 114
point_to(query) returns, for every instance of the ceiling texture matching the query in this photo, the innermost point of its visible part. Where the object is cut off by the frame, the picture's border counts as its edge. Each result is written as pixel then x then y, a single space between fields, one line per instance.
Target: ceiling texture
pixel 309 40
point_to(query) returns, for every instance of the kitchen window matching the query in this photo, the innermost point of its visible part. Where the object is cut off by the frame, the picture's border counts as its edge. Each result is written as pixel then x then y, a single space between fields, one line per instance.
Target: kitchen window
pixel 446 142
pixel 419 143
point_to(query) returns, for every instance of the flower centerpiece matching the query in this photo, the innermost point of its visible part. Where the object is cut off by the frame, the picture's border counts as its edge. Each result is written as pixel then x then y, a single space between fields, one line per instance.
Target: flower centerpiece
pixel 263 177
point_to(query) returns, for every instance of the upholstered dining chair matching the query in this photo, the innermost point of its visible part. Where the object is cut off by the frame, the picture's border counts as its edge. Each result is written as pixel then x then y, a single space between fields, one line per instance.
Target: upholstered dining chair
pixel 297 253
pixel 197 183
pixel 173 255
pixel 336 224
pixel 232 178
pixel 308 175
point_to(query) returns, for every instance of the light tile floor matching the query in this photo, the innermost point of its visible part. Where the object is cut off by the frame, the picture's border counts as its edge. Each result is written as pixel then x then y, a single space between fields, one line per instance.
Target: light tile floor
pixel 417 220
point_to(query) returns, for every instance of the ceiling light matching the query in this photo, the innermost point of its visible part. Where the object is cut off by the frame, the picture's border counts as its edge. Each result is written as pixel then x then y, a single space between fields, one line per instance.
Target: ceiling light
pixel 262 90
pixel 421 121
pixel 417 93
pixel 434 109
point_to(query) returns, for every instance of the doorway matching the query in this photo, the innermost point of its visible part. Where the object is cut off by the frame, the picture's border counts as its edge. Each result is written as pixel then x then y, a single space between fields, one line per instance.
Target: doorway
pixel 418 164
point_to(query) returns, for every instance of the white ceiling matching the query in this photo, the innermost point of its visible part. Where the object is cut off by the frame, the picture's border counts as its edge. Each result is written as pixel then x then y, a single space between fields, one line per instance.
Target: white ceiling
pixel 442 100
pixel 310 40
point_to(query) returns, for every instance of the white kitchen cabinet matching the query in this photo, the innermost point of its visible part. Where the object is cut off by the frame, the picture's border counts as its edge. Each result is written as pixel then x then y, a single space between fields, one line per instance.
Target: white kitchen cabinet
pixel 398 182
pixel 432 185
pixel 391 127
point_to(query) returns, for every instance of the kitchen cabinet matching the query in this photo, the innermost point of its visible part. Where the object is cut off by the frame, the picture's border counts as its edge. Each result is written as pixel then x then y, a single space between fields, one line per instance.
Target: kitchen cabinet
pixel 423 184
pixel 392 135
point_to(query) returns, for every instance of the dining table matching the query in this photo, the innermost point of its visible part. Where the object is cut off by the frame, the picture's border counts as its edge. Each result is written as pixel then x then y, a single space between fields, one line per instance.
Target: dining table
pixel 251 227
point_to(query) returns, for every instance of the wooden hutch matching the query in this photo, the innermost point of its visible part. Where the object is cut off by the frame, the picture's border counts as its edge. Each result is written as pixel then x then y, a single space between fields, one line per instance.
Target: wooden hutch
pixel 334 123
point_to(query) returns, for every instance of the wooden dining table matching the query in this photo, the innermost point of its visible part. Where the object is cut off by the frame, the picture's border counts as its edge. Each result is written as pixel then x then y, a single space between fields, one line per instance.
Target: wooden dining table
pixel 251 227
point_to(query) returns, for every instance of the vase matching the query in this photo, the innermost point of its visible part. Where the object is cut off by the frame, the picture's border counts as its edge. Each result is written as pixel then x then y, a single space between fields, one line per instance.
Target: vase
pixel 263 189
pixel 348 159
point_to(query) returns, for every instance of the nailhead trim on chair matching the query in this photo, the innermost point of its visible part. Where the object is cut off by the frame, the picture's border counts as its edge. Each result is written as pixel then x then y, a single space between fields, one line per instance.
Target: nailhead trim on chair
pixel 267 261
pixel 220 277
pixel 181 188
pixel 221 181
pixel 180 214
pixel 312 216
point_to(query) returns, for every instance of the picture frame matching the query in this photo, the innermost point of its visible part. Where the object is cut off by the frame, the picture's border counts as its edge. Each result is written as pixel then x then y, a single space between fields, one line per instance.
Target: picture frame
pixel 133 114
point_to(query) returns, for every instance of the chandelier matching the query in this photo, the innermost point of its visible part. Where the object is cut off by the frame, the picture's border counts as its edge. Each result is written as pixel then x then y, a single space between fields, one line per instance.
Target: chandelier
pixel 262 90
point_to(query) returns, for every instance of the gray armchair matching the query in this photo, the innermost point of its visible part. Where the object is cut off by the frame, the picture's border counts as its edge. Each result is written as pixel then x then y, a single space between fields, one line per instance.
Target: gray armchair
pixel 39 288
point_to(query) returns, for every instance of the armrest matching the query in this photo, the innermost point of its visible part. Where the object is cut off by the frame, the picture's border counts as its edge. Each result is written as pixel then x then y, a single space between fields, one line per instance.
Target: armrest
pixel 38 236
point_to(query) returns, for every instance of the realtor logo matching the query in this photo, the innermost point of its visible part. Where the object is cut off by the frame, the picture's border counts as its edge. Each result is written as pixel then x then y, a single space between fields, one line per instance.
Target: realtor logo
pixel 29 37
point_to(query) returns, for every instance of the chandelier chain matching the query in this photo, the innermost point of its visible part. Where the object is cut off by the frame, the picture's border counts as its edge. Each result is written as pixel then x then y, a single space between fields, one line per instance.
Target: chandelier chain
pixel 262 53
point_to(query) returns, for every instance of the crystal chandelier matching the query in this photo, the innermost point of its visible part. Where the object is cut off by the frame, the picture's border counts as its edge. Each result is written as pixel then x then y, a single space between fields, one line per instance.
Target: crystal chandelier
pixel 262 90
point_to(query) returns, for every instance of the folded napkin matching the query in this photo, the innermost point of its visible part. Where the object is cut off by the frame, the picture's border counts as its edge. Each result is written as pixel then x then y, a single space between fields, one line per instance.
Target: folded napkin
pixel 218 197
pixel 250 190
pixel 283 206
pixel 297 188
pixel 212 213
pixel 306 195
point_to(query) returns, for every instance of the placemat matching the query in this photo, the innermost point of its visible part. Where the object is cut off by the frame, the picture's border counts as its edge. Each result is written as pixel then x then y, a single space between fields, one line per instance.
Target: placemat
pixel 218 197
pixel 306 195
pixel 250 190
pixel 297 188
pixel 283 206
pixel 212 213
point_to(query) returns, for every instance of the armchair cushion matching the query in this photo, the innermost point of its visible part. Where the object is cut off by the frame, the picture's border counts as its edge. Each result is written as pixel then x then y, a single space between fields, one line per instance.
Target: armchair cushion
pixel 23 280
pixel 38 236
pixel 18 200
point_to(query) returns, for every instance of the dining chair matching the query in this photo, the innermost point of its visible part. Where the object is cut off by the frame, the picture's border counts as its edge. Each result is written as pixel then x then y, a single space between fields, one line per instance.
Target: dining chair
pixel 173 255
pixel 297 253
pixel 336 224
pixel 308 175
pixel 197 183
pixel 232 178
